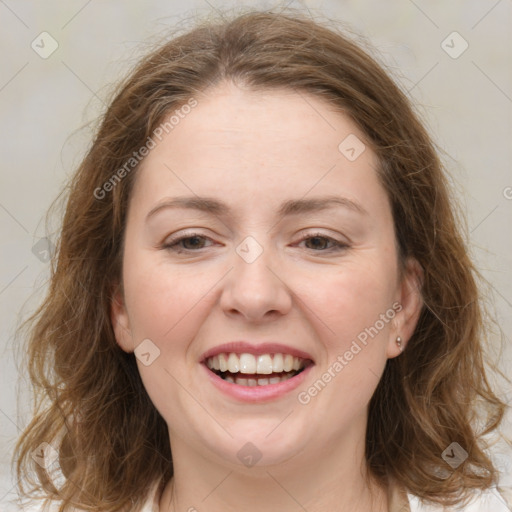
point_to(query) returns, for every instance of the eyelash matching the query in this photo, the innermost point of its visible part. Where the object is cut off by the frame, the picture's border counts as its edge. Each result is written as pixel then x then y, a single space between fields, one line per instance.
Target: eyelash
pixel 172 244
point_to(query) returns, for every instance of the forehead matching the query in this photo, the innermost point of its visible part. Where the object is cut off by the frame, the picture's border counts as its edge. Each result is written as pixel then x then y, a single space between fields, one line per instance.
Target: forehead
pixel 268 143
pixel 273 120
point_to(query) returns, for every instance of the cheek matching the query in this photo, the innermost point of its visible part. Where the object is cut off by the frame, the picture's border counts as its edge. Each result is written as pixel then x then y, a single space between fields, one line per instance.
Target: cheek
pixel 162 300
pixel 351 302
pixel 168 307
pixel 168 303
pixel 351 306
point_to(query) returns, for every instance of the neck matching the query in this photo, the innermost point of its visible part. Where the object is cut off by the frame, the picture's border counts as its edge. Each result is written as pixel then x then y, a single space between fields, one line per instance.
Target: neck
pixel 335 479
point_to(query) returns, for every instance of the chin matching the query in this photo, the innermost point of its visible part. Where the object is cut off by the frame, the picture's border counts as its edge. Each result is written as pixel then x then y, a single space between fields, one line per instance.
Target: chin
pixel 259 443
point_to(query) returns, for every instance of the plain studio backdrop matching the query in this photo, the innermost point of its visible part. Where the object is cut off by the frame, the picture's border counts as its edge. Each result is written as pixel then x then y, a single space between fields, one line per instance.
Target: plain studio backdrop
pixel 59 59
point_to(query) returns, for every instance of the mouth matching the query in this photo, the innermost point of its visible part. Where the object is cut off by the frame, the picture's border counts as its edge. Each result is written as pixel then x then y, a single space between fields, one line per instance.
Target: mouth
pixel 245 369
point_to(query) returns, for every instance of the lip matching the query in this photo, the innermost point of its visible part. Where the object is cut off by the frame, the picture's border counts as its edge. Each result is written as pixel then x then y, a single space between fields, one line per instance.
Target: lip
pixel 244 347
pixel 257 393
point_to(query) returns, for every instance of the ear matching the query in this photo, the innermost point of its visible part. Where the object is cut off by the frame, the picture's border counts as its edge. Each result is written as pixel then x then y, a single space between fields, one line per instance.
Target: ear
pixel 120 321
pixel 410 304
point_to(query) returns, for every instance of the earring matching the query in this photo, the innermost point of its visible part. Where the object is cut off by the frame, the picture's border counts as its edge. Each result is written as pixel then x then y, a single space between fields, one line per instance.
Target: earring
pixel 399 343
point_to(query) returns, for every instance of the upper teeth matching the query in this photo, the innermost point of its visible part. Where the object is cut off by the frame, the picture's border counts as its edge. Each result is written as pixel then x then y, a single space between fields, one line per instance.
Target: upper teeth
pixel 248 363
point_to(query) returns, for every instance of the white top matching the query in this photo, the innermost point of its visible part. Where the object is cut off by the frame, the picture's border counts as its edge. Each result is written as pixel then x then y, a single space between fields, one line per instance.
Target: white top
pixel 490 500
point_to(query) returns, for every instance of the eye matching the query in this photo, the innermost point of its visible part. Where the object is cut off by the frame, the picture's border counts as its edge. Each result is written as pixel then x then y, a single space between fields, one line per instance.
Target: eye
pixel 190 242
pixel 321 241
pixel 194 242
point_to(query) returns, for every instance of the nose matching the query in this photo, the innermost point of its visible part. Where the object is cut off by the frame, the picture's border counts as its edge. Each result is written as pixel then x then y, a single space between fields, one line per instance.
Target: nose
pixel 256 289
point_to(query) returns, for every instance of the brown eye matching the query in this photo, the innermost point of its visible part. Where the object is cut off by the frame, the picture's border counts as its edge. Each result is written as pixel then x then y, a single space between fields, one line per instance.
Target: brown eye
pixel 317 242
pixel 320 243
pixel 191 242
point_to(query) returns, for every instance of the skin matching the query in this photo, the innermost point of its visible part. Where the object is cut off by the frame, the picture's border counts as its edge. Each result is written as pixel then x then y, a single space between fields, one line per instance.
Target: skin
pixel 254 150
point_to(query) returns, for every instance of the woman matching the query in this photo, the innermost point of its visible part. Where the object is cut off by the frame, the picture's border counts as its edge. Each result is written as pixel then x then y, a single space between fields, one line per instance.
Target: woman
pixel 262 299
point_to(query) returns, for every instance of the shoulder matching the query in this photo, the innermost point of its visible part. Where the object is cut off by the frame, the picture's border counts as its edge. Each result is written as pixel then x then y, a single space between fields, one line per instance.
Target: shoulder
pixel 490 500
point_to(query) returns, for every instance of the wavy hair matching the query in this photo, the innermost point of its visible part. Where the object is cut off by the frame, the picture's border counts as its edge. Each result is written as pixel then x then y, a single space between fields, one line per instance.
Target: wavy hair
pixel 90 403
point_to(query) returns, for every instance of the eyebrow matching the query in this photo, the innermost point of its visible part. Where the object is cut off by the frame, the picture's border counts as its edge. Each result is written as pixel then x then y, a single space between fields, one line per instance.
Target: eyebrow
pixel 287 208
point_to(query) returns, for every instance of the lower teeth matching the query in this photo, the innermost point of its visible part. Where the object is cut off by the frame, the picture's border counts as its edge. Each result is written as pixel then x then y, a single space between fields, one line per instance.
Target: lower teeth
pixel 263 381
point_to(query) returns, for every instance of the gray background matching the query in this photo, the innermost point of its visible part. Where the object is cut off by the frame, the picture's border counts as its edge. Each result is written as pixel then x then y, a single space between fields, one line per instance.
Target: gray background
pixel 466 101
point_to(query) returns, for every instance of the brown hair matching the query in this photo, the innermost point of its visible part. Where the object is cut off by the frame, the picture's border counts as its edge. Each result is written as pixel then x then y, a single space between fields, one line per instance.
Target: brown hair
pixel 90 401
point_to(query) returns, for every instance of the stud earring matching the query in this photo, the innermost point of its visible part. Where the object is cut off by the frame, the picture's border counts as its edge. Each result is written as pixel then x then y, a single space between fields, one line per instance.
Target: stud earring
pixel 399 343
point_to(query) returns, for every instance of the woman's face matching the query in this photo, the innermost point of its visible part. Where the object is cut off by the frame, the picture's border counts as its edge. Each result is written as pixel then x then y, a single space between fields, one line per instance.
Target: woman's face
pixel 294 253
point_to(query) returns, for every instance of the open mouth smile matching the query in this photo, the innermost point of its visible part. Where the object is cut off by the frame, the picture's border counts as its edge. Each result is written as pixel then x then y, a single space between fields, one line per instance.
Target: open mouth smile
pixel 256 373
pixel 261 370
